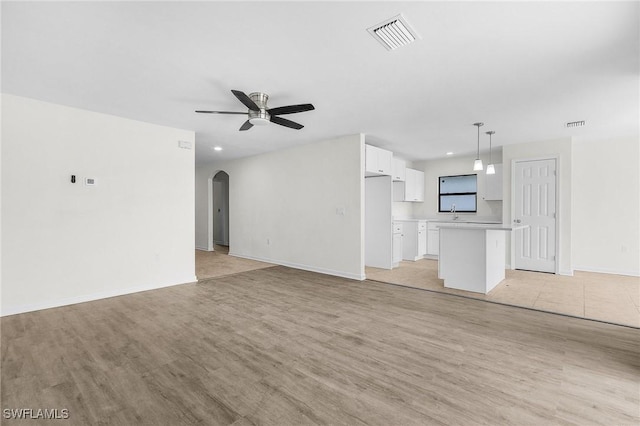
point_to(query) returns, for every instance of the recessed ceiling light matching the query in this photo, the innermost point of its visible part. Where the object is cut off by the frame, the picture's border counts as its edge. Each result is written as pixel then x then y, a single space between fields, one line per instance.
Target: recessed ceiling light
pixel 217 148
pixel 449 153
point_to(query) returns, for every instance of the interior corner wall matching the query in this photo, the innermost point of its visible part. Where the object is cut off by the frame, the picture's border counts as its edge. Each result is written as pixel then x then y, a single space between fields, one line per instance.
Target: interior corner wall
pixel 606 205
pixel 301 207
pixel 560 149
pixel 65 242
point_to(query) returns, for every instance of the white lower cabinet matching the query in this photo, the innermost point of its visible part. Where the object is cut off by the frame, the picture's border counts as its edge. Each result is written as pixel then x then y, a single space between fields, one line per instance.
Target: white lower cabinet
pixel 397 243
pixel 414 239
pixel 422 241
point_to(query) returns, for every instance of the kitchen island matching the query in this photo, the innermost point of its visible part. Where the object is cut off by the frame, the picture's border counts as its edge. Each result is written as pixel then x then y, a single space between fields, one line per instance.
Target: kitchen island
pixel 472 256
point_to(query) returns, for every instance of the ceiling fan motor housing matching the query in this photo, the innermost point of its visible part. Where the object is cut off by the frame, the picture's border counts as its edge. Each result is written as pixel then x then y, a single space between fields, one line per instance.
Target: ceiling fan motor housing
pixel 261 117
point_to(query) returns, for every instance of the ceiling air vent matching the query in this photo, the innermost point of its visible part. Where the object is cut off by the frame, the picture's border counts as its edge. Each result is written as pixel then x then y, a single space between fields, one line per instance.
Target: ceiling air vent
pixel 394 32
pixel 575 124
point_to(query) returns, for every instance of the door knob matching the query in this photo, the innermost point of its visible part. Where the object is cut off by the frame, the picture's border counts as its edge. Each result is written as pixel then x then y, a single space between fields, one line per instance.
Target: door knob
pixel 517 220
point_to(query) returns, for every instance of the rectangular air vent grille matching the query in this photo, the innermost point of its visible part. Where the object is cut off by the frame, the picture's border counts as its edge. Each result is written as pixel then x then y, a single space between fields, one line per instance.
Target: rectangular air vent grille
pixel 393 33
pixel 575 123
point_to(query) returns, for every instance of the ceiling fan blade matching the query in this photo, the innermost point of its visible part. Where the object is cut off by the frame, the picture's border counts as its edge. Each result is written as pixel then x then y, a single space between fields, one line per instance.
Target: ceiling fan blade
pixel 246 100
pixel 290 109
pixel 286 123
pixel 222 112
pixel 246 125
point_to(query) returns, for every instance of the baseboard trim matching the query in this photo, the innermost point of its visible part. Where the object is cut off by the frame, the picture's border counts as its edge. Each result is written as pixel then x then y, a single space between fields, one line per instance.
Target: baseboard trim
pixel 202 248
pixel 358 277
pixel 14 310
pixel 607 271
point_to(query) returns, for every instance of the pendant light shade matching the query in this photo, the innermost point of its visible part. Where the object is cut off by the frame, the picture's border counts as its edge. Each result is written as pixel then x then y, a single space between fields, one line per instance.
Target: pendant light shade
pixel 477 164
pixel 491 170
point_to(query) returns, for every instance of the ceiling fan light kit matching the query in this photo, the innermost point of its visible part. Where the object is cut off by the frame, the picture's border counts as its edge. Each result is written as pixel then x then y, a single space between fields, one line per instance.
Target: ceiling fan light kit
pixel 260 115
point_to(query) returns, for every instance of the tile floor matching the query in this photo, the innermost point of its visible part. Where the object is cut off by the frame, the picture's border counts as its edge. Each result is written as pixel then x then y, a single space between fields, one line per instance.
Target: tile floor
pixel 603 297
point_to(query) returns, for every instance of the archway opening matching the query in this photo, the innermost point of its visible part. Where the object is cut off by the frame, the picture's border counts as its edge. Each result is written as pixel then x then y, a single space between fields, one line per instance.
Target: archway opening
pixel 220 217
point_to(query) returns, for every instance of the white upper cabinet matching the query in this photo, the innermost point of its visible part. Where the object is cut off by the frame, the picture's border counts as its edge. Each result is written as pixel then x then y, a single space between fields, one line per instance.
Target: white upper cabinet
pixel 412 189
pixel 377 161
pixel 399 170
pixel 417 185
pixel 493 185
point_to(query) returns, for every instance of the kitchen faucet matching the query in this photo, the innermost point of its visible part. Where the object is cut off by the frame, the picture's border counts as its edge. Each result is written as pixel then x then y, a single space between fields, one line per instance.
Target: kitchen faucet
pixel 453 210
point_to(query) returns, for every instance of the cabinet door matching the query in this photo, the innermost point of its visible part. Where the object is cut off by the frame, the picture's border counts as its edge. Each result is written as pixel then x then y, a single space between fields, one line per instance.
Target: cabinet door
pixel 371 159
pixel 409 185
pixel 422 242
pixel 384 162
pixel 420 186
pixel 397 248
pixel 414 185
pixel 377 161
pixel 418 193
pixel 399 170
pixel 410 241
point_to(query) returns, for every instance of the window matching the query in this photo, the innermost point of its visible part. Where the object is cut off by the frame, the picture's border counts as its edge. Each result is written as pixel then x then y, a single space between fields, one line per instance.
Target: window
pixel 459 191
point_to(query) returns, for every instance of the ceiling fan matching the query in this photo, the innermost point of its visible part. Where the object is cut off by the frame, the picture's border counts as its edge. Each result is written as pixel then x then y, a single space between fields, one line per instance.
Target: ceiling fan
pixel 259 114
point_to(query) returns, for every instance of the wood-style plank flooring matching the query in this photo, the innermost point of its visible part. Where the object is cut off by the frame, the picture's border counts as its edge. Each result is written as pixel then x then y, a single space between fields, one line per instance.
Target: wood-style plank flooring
pixel 279 346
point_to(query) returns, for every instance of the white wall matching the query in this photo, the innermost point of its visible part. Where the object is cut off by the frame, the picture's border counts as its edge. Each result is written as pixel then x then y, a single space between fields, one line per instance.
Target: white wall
pixel 283 206
pixel 560 149
pixel 402 209
pixel 433 169
pixel 606 205
pixel 65 243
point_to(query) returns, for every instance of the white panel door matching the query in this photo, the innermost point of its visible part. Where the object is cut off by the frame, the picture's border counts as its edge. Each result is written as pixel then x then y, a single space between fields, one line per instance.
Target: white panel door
pixel 535 206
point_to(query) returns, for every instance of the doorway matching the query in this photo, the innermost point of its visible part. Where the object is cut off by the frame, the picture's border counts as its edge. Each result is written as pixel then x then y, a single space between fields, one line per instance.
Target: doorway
pixel 535 206
pixel 220 203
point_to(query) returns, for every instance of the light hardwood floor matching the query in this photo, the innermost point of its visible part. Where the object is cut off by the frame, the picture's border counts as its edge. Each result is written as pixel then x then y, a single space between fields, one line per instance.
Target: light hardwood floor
pixel 278 346
pixel 603 297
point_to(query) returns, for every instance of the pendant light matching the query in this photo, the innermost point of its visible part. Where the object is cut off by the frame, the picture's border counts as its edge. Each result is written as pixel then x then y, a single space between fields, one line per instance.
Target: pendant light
pixel 491 169
pixel 477 165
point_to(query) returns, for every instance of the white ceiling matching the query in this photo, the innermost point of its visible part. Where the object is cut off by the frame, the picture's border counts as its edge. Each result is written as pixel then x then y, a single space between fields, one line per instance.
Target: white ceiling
pixel 523 68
